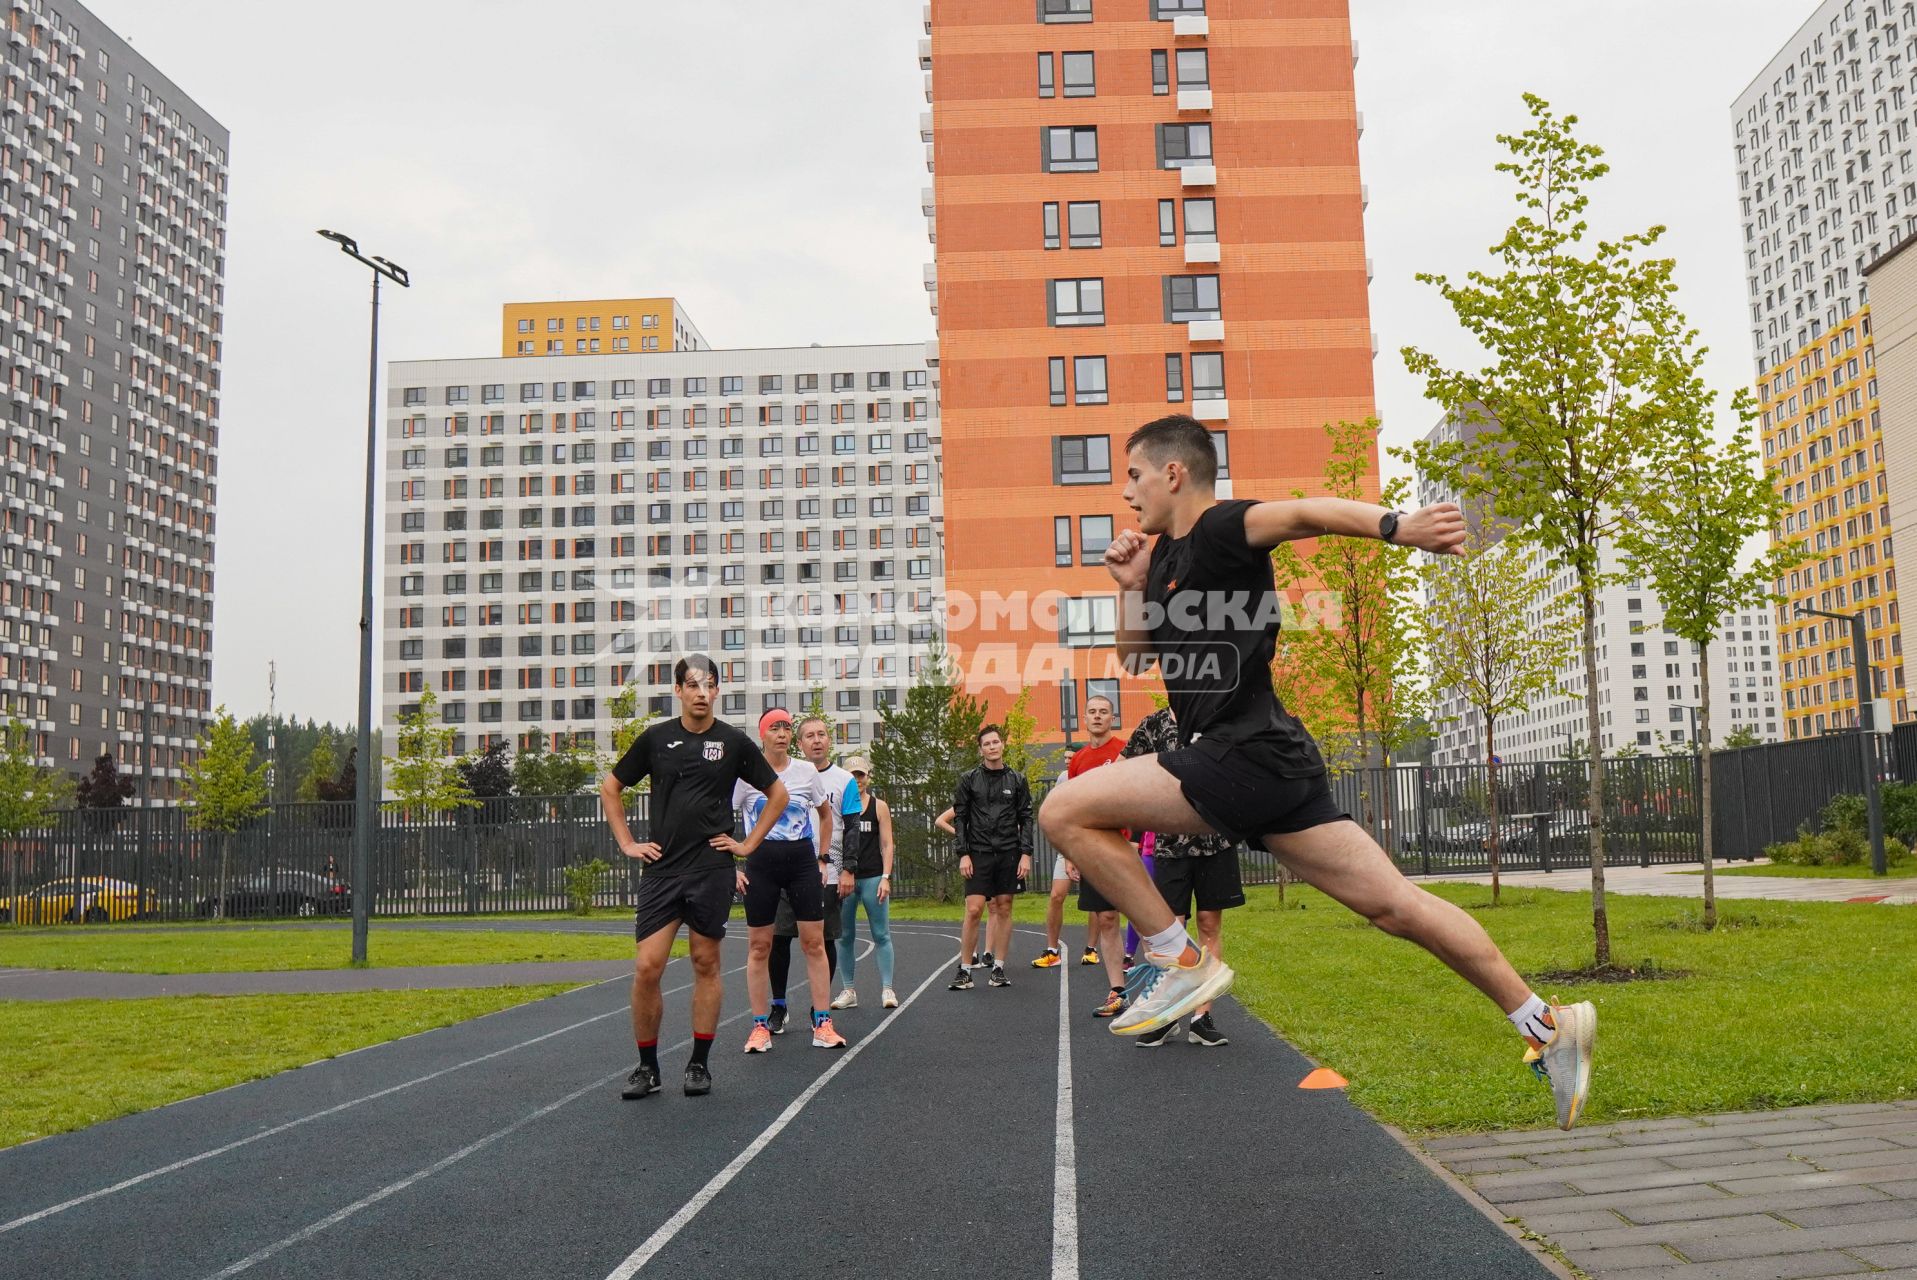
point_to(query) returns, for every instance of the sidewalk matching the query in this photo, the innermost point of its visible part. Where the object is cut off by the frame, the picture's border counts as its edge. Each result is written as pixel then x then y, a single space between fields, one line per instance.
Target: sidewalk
pixel 73 984
pixel 1792 1194
pixel 1673 881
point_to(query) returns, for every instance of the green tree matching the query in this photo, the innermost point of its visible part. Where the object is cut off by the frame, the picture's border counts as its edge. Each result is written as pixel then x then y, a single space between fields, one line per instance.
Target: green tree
pixel 225 787
pixel 538 770
pixel 423 775
pixel 1583 345
pixel 1744 735
pixel 105 787
pixel 1021 746
pixel 30 791
pixel 1362 651
pixel 321 767
pixel 1498 638
pixel 487 774
pixel 922 747
pixel 628 722
pixel 1701 504
pixel 815 706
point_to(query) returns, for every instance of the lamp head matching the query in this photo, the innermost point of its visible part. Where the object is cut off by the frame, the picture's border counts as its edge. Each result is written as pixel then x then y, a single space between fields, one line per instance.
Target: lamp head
pixel 343 240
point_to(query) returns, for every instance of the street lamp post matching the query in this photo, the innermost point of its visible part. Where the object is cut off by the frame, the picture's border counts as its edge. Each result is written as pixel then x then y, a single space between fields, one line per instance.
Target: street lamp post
pixel 363 776
pixel 1866 682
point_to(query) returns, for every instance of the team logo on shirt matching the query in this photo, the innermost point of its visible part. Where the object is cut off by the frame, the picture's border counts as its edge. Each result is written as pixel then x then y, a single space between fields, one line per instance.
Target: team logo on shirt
pixel 715 750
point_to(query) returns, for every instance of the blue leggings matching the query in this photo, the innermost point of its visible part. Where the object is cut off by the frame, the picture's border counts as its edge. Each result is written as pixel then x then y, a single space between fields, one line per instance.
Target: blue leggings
pixel 878 915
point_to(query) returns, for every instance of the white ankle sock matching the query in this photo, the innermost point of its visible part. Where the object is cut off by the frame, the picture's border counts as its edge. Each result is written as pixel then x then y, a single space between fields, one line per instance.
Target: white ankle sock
pixel 1529 1017
pixel 1171 942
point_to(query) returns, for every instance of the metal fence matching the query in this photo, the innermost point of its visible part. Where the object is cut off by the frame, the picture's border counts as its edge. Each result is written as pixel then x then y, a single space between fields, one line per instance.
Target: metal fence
pixel 512 854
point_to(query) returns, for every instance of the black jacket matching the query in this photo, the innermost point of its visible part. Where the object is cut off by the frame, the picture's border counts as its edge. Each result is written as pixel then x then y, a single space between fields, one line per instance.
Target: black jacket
pixel 992 810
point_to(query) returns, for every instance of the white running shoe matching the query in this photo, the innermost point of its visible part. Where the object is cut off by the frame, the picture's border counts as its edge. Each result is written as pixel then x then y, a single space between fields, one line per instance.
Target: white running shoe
pixel 1169 990
pixel 1565 1060
pixel 846 999
pixel 888 999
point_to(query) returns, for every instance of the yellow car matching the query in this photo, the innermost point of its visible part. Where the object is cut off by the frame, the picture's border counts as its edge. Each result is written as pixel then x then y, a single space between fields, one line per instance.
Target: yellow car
pixel 98 900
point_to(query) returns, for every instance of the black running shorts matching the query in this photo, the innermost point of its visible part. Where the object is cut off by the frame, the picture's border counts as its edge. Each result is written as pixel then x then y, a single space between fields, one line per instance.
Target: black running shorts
pixel 1239 799
pixel 786 925
pixel 782 869
pixel 701 900
pixel 1211 882
pixel 994 875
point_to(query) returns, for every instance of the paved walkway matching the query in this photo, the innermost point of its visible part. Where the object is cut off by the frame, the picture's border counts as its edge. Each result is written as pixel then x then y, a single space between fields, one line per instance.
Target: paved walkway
pixel 69 984
pixel 1683 882
pixel 1762 1195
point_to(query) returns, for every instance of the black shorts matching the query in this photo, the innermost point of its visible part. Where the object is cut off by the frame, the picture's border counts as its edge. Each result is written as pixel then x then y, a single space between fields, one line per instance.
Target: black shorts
pixel 1236 798
pixel 786 925
pixel 701 900
pixel 1211 882
pixel 782 869
pixel 994 875
pixel 1089 898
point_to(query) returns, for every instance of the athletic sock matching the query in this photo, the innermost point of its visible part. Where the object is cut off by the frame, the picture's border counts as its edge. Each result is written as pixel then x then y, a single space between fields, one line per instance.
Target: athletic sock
pixel 649 1054
pixel 1533 1021
pixel 1172 942
pixel 820 1017
pixel 778 1004
pixel 701 1046
pixel 765 1021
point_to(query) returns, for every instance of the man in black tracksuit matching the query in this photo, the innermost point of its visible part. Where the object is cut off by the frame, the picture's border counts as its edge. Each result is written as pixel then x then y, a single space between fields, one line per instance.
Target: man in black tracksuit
pixel 992 810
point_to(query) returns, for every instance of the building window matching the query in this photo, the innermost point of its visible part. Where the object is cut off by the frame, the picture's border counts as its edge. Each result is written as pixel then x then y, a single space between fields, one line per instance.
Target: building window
pixel 1079 79
pixel 1161 72
pixel 1166 9
pixel 1081 459
pixel 1207 375
pixel 1191 298
pixel 1089 621
pixel 1083 223
pixel 1064 10
pixel 1050 210
pixel 1201 221
pixel 1068 705
pixel 1094 535
pixel 1183 144
pixel 1059 394
pixel 1062 541
pixel 1047 85
pixel 1074 149
pixel 1088 380
pixel 1174 378
pixel 1222 446
pixel 415 395
pixel 1080 302
pixel 1194 69
pixel 1168 222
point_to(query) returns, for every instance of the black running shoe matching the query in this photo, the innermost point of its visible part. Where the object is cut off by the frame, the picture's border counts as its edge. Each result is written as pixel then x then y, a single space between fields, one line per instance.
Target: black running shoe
pixel 1204 1032
pixel 998 976
pixel 974 963
pixel 698 1080
pixel 962 981
pixel 776 1021
pixel 1154 1039
pixel 642 1081
pixel 986 961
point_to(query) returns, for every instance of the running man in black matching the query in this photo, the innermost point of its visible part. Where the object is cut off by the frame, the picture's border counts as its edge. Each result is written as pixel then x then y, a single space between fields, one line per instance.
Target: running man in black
pixel 689 876
pixel 1201 603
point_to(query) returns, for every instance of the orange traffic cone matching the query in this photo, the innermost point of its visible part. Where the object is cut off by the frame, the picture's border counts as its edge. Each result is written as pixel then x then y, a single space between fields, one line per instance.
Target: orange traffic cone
pixel 1323 1078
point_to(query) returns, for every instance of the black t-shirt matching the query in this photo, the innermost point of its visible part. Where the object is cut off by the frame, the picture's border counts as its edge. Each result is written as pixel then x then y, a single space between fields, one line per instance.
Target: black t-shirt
pixel 864 855
pixel 1215 630
pixel 692 776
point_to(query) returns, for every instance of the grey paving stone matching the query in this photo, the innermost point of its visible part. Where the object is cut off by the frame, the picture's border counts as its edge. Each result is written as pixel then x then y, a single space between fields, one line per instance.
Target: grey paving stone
pixel 1457 1142
pixel 1530 1143
pixel 1493 1150
pixel 1741 1155
pixel 1551 1224
pixel 1796 1266
pixel 1743 1184
pixel 1604 1262
pixel 1809 1138
pixel 1906 1189
pixel 1779 1168
pixel 1833 1215
pixel 1876 1155
pixel 1632 1203
pixel 1888 1255
pixel 1696 1142
pixel 1625 1130
pixel 1493 1164
pixel 1865 1114
pixel 1519 1193
pixel 1671 1233
pixel 1579 1174
pixel 1848 1236
pixel 1706 1146
pixel 1774 1122
pixel 1784 1202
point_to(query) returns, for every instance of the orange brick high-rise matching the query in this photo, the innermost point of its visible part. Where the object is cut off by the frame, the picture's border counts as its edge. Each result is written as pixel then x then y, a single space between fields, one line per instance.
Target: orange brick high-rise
pixel 1139 207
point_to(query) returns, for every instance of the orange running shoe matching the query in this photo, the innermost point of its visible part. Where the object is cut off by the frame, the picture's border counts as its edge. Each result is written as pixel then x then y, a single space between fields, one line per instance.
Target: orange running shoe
pixel 760 1041
pixel 1049 960
pixel 824 1037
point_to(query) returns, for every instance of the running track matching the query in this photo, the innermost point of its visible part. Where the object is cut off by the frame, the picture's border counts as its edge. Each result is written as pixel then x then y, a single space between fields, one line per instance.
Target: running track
pixel 990 1132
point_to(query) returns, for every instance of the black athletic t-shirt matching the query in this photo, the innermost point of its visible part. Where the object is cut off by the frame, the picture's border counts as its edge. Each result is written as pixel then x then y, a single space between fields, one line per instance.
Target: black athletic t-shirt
pixel 864 855
pixel 1215 630
pixel 692 776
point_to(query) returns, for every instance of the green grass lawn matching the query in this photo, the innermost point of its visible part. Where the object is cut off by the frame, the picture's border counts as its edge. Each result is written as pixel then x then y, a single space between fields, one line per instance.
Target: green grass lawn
pixel 73 1063
pixel 1897 870
pixel 238 949
pixel 1786 1003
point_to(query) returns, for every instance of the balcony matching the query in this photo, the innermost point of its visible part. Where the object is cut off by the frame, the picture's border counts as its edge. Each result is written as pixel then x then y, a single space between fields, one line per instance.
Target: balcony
pixel 1364 195
pixel 926 12
pixel 925 126
pixel 928 157
pixel 1197 252
pixel 1198 175
pixel 928 86
pixel 925 54
pixel 1204 330
pixel 1210 410
pixel 932 353
pixel 931 277
pixel 1191 26
pixel 1361 124
pixel 1194 99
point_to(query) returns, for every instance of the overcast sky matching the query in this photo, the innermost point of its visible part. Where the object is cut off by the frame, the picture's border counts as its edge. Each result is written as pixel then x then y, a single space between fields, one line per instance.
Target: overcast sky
pixel 761 161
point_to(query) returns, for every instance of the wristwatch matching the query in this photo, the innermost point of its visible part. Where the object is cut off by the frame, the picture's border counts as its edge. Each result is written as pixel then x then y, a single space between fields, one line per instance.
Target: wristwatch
pixel 1388 525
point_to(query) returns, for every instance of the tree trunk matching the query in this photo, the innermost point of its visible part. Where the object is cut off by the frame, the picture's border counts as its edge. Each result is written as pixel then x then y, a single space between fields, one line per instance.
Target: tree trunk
pixel 220 900
pixel 1594 743
pixel 1491 771
pixel 1704 784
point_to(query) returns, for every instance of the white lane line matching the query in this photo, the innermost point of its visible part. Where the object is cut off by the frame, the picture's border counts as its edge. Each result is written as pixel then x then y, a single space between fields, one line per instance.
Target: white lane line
pixel 348 1105
pixel 705 1195
pixel 1065 1153
pixel 394 1188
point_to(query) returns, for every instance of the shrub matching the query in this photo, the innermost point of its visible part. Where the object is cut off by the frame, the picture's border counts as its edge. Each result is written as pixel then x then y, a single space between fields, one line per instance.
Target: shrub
pixel 1844 840
pixel 582 882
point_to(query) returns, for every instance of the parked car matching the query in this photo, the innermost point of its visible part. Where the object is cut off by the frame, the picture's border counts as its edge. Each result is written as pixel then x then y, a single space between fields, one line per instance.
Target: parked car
pixel 94 899
pixel 280 892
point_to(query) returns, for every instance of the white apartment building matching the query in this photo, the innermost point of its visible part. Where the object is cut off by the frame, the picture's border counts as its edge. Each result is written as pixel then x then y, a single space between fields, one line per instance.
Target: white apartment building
pixel 557 527
pixel 1826 174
